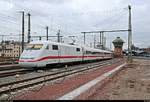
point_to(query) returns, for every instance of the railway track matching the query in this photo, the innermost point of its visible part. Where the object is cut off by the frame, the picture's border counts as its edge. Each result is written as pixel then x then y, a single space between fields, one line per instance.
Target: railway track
pixel 12 72
pixel 25 83
pixel 9 67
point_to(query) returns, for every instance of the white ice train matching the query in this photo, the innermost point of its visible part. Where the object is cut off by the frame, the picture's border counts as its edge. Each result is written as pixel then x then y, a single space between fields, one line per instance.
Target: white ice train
pixel 43 53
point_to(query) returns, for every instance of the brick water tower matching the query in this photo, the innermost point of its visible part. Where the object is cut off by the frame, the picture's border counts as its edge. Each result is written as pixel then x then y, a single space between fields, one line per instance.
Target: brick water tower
pixel 118 44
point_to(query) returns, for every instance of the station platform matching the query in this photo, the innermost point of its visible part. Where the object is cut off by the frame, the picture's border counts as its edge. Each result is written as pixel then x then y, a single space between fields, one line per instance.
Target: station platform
pixel 132 83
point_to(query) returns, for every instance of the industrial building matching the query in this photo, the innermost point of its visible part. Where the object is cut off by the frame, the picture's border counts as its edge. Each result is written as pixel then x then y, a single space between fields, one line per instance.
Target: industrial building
pixel 10 49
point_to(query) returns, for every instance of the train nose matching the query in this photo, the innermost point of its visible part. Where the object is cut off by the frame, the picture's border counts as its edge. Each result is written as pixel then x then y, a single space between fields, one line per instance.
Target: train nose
pixel 28 60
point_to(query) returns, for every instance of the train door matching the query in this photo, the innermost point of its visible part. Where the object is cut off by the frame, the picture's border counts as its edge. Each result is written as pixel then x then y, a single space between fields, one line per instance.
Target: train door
pixel 69 54
pixel 65 52
pixel 59 54
pixel 83 54
pixel 56 53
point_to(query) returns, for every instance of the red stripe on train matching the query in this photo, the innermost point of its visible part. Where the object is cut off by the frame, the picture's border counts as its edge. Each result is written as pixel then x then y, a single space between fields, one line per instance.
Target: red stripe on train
pixel 57 57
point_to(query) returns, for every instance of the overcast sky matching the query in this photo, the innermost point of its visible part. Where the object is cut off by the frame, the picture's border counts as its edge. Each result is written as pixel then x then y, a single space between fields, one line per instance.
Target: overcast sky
pixel 74 16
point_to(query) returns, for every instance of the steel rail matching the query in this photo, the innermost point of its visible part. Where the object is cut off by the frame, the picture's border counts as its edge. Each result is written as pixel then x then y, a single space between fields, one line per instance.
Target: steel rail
pixel 52 76
pixel 9 67
pixel 13 72
pixel 57 72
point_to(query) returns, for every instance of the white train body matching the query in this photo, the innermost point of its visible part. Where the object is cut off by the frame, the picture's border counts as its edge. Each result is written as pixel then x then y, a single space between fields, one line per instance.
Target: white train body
pixel 42 53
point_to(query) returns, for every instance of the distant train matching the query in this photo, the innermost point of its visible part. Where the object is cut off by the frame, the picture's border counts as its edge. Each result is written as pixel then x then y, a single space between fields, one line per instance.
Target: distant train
pixel 43 53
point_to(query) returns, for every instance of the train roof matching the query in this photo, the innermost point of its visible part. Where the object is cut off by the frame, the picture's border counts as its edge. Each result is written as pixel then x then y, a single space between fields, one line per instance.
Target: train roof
pixel 50 42
pixel 98 50
pixel 64 44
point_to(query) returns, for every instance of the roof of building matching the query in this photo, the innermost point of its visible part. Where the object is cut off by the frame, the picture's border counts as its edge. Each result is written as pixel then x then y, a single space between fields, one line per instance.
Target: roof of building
pixel 118 39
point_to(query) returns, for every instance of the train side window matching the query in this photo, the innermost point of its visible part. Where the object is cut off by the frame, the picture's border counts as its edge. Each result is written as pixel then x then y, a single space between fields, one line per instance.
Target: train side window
pixel 55 47
pixel 88 52
pixel 77 49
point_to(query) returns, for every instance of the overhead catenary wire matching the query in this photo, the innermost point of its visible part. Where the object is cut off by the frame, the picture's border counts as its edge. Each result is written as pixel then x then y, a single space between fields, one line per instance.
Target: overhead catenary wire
pixel 7 23
pixel 80 13
pixel 8 16
pixel 116 20
pixel 113 19
pixel 41 25
pixel 11 29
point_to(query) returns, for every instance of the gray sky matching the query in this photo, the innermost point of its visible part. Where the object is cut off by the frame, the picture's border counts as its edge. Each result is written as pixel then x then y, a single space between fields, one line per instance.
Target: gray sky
pixel 74 16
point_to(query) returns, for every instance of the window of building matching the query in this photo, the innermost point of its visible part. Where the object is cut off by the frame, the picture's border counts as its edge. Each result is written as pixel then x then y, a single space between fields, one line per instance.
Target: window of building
pixel 55 47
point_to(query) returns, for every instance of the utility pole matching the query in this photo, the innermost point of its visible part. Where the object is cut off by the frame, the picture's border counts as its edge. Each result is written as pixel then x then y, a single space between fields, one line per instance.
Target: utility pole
pixel 47 32
pixel 22 31
pixel 3 45
pixel 58 36
pixel 102 40
pixel 110 46
pixel 94 41
pixel 84 37
pixel 2 38
pixel 40 38
pixel 130 37
pixel 90 44
pixel 29 27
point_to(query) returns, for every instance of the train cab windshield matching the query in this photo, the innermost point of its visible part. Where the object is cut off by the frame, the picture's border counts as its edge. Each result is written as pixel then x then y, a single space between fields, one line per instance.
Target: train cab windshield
pixel 34 46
